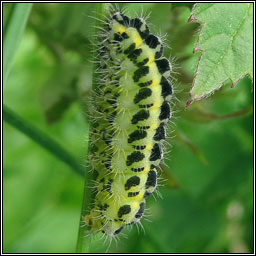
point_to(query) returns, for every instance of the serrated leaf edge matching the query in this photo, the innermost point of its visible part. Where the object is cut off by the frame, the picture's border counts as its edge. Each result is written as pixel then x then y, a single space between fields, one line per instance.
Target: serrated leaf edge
pixel 195 19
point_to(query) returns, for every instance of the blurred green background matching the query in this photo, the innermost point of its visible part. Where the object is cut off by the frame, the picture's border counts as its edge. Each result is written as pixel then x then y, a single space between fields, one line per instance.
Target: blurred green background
pixel 207 204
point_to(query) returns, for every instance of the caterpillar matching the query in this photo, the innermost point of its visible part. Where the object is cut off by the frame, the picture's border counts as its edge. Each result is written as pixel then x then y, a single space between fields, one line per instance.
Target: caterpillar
pixel 131 107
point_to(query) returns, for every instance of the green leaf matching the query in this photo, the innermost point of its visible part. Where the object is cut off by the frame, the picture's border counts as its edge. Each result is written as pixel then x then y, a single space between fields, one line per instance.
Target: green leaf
pixel 13 32
pixel 226 46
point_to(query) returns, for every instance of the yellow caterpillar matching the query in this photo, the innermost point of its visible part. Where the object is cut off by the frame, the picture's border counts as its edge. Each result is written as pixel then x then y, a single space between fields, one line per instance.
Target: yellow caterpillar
pixel 130 111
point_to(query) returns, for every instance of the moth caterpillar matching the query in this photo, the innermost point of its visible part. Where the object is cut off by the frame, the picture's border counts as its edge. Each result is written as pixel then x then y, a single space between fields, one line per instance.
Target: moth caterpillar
pixel 129 116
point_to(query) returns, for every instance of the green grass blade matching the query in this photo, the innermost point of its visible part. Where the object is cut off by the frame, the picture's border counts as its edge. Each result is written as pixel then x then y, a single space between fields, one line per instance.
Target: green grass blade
pixel 83 241
pixel 42 139
pixel 13 31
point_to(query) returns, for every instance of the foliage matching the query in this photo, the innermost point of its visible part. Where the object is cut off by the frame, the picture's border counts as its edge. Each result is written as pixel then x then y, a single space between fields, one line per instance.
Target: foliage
pixel 207 204
pixel 226 45
pixel 14 28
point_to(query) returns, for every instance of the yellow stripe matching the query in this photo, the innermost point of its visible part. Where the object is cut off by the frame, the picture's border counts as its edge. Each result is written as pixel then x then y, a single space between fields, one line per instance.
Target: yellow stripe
pixel 118 28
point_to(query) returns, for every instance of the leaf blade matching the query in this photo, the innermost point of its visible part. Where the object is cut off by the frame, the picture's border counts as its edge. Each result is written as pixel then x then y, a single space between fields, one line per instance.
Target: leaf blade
pixel 226 44
pixel 13 32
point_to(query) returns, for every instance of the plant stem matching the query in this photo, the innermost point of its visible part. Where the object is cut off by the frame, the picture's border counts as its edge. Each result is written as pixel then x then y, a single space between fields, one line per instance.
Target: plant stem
pixel 42 139
pixel 194 149
pixel 83 242
pixel 13 31
pixel 200 116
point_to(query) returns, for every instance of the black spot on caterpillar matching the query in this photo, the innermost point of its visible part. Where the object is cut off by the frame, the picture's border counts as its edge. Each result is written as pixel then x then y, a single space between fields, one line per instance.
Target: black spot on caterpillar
pixel 142 71
pixel 133 181
pixel 139 214
pixel 165 111
pixel 118 231
pixel 155 153
pixel 138 169
pixel 163 65
pixel 129 116
pixel 160 133
pixel 142 94
pixel 151 180
pixel 135 156
pixel 137 135
pixel 140 116
pixel 131 194
pixel 124 210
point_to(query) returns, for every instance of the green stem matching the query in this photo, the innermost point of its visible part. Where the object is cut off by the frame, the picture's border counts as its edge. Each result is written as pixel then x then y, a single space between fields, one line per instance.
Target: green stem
pixel 83 242
pixel 198 115
pixel 42 139
pixel 182 138
pixel 13 31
